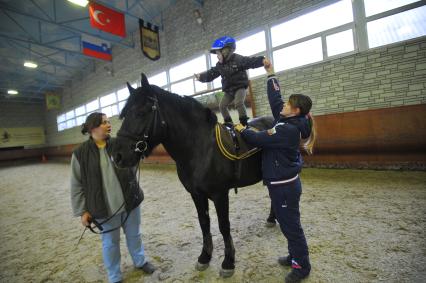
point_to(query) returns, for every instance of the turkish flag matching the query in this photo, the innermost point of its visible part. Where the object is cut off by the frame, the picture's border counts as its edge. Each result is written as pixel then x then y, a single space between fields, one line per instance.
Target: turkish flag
pixel 106 19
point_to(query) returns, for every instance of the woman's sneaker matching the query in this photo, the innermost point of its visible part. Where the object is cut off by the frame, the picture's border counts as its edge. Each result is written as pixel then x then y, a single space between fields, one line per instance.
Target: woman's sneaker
pixel 298 273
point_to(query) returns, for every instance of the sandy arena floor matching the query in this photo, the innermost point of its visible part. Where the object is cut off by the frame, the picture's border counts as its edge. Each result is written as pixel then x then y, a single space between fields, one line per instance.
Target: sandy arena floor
pixel 361 226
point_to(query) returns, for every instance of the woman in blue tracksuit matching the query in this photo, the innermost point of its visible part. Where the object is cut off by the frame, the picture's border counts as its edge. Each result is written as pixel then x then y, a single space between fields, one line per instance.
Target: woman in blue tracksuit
pixel 281 165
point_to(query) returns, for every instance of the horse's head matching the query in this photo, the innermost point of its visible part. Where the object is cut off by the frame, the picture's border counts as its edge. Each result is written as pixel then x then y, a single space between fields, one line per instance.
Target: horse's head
pixel 143 126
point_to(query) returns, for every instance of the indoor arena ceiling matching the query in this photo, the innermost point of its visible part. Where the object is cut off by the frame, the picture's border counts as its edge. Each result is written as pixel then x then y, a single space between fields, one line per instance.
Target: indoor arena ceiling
pixel 49 32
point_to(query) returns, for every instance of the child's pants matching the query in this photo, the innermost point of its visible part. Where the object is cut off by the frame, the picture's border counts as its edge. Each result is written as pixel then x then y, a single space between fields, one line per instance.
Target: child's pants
pixel 238 97
pixel 285 202
pixel 111 242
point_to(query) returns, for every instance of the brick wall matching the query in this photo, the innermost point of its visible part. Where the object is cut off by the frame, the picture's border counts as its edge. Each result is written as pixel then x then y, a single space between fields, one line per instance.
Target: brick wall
pixel 379 78
pixel 383 77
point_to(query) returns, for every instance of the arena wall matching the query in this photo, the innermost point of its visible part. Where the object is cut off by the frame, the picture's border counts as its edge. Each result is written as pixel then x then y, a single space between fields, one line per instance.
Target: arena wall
pixel 380 78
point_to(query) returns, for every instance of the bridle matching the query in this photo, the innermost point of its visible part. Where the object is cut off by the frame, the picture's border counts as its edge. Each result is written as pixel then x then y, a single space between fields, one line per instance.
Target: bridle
pixel 142 136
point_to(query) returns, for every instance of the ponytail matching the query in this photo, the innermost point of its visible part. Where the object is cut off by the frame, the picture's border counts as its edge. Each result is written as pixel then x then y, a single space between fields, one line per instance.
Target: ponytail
pixel 310 141
pixel 94 120
pixel 84 129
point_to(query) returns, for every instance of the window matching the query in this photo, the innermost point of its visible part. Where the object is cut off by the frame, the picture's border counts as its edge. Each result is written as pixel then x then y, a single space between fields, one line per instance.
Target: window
pixel 322 19
pixel 62 126
pixel 92 106
pixel 110 110
pixel 256 72
pixel 80 120
pixel 70 114
pixel 340 42
pixel 398 27
pixel 252 44
pixel 108 99
pixel 70 123
pixel 183 88
pixel 123 94
pixel 218 81
pixel 121 105
pixel 80 111
pixel 299 54
pixel 60 118
pixel 188 69
pixel 373 7
pixel 213 58
pixel 158 79
pixel 199 86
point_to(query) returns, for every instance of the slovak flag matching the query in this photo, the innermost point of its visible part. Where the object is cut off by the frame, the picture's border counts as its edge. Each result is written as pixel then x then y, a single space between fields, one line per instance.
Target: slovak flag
pixel 96 47
pixel 106 19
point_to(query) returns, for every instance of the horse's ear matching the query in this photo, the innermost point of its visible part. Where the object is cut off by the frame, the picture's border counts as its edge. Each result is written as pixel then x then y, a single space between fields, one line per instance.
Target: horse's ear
pixel 131 89
pixel 144 81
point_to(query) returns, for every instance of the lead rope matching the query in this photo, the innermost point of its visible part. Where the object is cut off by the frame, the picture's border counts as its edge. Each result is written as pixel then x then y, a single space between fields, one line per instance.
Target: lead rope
pixel 99 225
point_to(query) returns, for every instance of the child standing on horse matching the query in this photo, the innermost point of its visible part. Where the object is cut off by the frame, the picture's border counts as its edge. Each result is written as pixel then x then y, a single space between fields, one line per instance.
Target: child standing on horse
pixel 281 165
pixel 232 68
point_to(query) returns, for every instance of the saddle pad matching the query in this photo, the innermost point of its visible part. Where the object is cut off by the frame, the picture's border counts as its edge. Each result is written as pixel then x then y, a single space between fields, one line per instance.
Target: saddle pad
pixel 227 147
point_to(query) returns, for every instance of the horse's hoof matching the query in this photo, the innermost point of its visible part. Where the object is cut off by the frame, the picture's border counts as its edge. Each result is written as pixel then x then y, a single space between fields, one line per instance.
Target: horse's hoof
pixel 225 273
pixel 201 266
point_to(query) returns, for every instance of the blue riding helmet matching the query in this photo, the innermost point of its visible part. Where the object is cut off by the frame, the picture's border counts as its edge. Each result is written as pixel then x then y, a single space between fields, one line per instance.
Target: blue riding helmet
pixel 222 42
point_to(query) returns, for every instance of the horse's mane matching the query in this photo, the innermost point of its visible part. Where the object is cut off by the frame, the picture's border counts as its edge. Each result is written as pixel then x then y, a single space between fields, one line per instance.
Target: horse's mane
pixel 186 105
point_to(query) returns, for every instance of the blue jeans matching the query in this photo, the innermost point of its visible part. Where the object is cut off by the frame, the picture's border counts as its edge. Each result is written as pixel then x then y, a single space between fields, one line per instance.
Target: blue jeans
pixel 111 242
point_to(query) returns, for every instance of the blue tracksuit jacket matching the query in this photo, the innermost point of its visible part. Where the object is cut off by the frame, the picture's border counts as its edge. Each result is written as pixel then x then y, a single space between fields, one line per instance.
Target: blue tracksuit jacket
pixel 281 158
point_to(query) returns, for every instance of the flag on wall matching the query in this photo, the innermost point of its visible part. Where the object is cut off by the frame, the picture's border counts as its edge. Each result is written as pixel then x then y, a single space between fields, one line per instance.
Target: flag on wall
pixel 53 101
pixel 106 19
pixel 150 40
pixel 96 47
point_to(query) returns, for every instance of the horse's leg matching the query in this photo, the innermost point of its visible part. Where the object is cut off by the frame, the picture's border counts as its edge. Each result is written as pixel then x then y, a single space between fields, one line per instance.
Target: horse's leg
pixel 271 220
pixel 221 202
pixel 202 204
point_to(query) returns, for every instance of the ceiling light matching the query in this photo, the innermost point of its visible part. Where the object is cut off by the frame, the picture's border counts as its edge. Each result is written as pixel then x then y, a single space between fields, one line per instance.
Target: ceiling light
pixel 82 3
pixel 12 91
pixel 30 64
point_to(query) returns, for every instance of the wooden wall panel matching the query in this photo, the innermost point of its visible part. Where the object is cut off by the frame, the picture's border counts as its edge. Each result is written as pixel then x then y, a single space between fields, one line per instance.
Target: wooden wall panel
pixel 381 138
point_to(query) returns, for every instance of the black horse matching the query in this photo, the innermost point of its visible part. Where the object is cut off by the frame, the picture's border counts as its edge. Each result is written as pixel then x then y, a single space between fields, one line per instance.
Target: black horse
pixel 186 129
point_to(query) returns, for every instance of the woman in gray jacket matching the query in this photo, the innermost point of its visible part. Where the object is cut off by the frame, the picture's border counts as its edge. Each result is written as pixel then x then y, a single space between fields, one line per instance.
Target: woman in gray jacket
pixel 109 195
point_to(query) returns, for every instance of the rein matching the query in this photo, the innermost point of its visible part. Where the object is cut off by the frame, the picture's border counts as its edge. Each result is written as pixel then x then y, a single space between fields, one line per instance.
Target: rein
pixel 99 225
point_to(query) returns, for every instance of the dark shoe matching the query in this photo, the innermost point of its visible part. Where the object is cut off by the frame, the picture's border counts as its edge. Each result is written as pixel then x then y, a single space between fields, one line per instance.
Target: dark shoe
pixel 298 272
pixel 295 276
pixel 243 120
pixel 148 268
pixel 119 282
pixel 285 260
